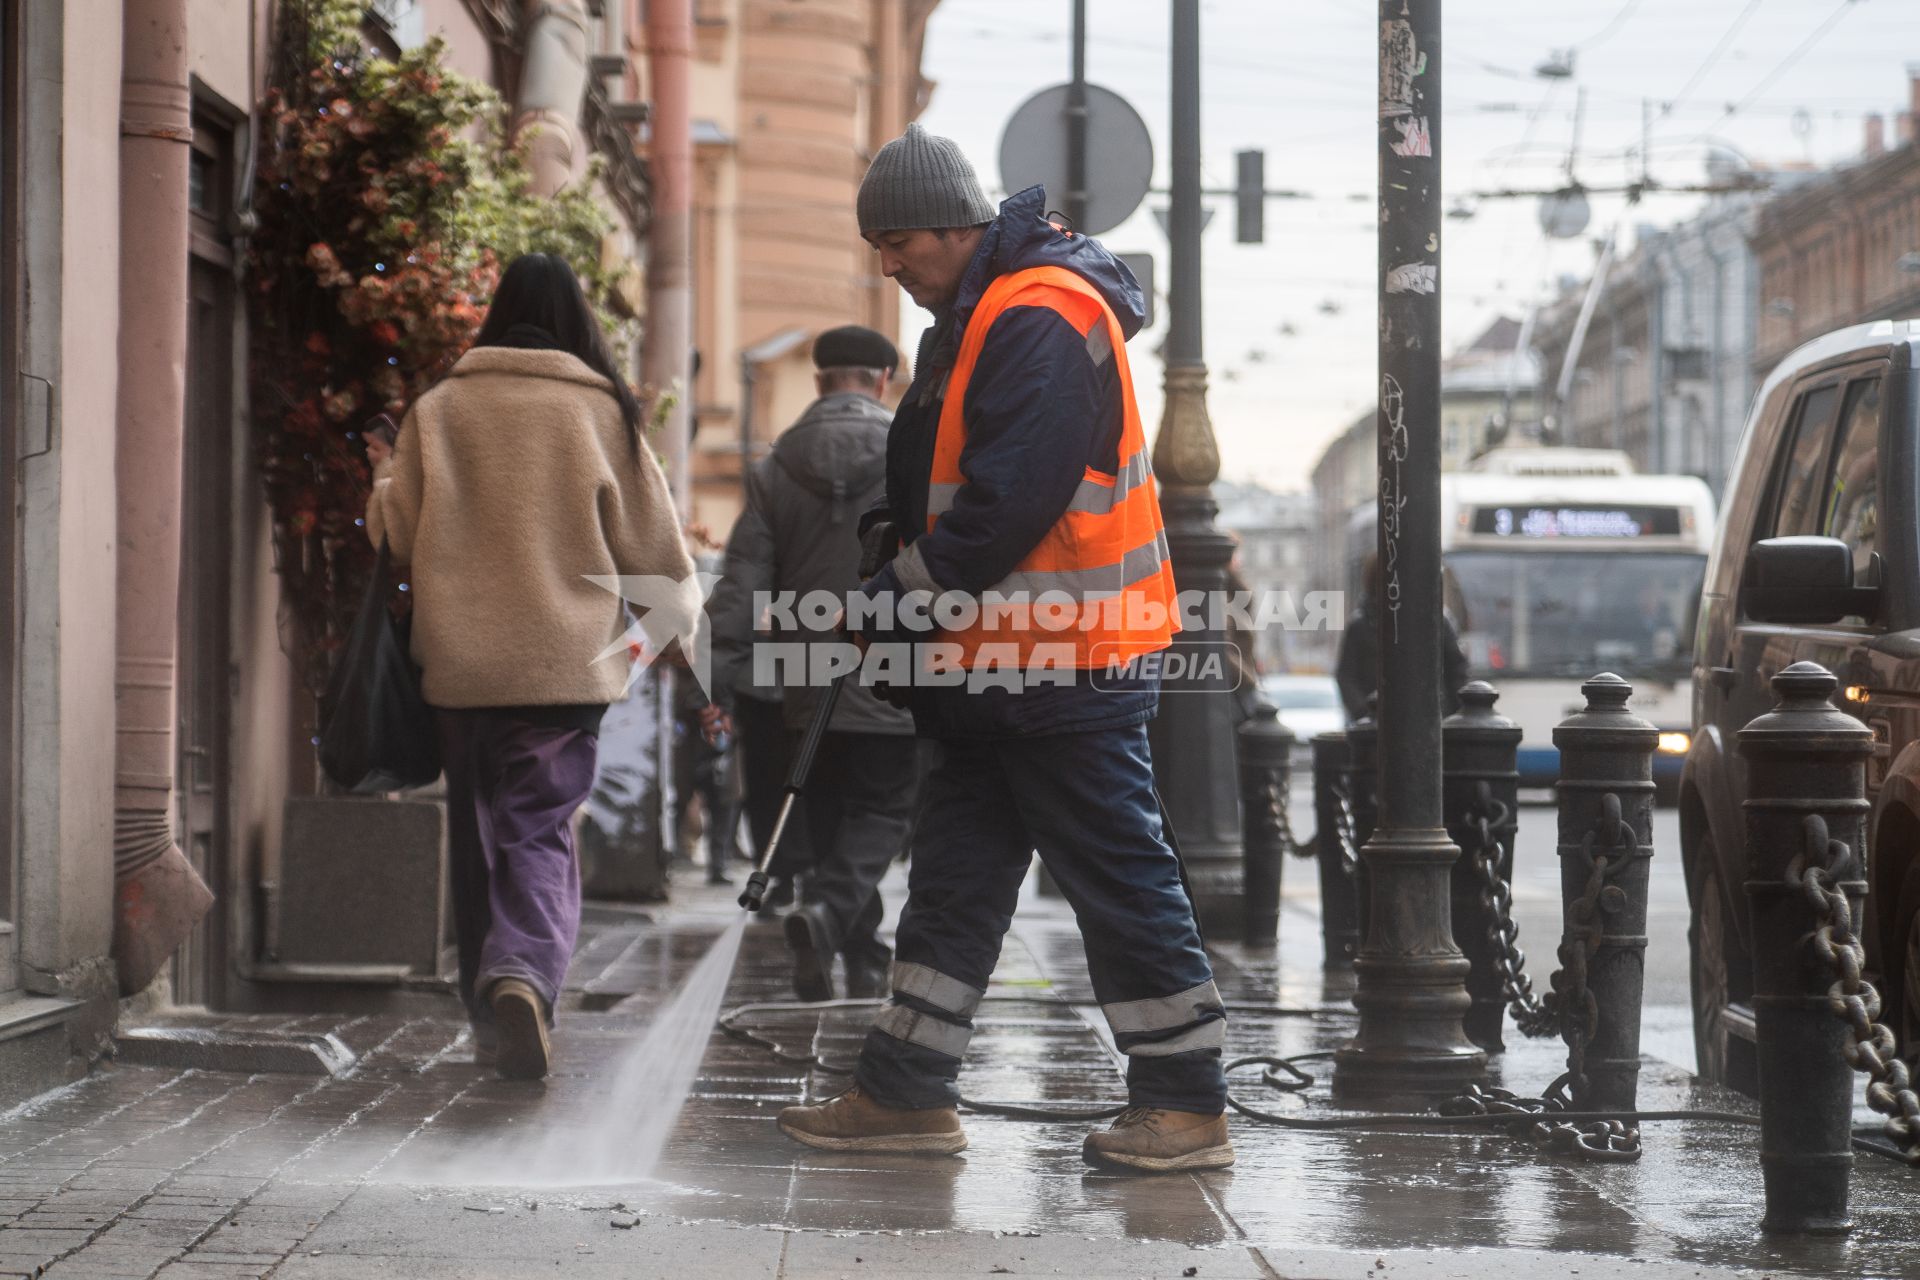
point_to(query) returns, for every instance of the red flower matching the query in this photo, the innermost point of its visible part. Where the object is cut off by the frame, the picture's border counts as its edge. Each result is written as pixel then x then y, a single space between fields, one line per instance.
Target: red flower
pixel 384 332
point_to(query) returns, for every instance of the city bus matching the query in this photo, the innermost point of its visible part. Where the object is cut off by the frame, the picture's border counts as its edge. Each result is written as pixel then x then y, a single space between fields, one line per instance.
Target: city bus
pixel 1563 563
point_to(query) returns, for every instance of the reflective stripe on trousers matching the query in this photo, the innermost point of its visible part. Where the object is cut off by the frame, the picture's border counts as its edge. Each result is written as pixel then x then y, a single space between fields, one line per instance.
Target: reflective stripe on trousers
pixel 1161 1026
pixel 928 1028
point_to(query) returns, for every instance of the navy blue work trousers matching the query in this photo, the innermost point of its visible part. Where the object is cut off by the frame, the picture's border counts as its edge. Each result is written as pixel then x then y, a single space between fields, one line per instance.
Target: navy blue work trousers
pixel 1085 801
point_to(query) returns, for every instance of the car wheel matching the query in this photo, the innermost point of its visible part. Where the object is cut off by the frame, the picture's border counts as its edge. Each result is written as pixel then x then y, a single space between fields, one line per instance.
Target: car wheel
pixel 1707 943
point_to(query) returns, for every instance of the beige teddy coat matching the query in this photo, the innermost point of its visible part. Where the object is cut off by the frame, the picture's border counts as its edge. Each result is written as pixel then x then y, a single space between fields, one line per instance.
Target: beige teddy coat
pixel 510 483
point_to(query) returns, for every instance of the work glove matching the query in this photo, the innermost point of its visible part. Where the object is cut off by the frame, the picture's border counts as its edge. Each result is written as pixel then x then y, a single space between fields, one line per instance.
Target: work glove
pixel 879 543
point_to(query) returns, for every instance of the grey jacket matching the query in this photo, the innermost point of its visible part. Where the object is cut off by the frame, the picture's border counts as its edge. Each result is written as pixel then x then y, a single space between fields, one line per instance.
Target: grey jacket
pixel 799 531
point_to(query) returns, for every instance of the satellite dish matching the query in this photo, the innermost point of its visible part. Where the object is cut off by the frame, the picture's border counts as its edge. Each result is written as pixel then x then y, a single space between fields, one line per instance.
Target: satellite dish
pixel 1565 213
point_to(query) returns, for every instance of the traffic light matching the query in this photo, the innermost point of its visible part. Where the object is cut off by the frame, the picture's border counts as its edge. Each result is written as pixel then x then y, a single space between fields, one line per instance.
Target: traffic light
pixel 1250 197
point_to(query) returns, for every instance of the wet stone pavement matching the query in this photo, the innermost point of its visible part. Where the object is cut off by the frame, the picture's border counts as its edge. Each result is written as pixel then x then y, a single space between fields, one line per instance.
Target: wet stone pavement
pixel 384 1170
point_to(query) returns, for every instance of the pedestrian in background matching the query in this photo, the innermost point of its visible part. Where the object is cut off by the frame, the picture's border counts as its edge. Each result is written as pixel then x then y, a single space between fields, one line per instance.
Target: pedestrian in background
pixel 510 482
pixel 799 533
pixel 1356 669
pixel 1018 465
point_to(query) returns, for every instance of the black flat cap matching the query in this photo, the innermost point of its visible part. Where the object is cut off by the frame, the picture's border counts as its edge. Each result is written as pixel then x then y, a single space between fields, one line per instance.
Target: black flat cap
pixel 854 346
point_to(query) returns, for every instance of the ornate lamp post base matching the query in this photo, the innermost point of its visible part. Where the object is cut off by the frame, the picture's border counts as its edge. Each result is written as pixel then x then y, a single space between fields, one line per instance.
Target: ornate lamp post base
pixel 1412 995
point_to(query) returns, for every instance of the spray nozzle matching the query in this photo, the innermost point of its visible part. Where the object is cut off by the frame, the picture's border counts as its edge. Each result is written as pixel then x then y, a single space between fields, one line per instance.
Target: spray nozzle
pixel 756 891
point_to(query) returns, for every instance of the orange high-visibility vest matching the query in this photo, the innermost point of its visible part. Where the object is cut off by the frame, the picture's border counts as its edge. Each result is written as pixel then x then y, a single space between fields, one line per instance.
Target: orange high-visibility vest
pixel 1101 577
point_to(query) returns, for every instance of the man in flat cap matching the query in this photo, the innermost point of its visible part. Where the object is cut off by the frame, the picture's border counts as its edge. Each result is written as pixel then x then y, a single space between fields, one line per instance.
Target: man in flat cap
pixel 1021 492
pixel 799 533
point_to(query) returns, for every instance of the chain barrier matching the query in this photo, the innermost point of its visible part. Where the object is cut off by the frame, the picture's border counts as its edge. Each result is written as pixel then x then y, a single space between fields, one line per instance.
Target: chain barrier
pixel 1279 820
pixel 1343 832
pixel 1491 840
pixel 1570 1007
pixel 1854 1000
pixel 1283 823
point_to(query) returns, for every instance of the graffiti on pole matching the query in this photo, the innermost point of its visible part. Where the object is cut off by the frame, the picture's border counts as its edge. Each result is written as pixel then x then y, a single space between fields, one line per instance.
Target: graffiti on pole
pixel 1400 63
pixel 1413 277
pixel 1393 496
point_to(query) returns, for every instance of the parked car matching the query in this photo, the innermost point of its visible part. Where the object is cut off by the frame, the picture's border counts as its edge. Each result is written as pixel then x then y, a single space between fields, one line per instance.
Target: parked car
pixel 1832 443
pixel 1307 704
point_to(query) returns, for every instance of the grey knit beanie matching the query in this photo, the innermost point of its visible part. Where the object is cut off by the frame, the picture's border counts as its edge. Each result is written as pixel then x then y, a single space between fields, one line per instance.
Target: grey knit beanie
pixel 921 181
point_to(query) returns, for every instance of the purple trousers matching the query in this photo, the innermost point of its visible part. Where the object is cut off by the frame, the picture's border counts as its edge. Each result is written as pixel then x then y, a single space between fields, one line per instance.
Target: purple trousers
pixel 512 788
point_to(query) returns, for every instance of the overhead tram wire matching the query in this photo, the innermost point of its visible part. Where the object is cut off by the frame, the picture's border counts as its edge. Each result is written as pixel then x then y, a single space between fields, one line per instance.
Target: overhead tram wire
pixel 1607 32
pixel 1713 57
pixel 1780 68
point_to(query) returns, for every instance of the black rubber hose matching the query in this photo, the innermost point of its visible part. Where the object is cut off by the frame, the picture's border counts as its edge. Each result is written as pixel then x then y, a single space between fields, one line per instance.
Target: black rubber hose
pixel 1296 1081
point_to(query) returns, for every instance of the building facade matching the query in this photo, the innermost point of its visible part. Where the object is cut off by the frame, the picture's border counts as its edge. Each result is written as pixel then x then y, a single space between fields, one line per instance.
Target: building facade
pixel 1665 373
pixel 154 727
pixel 1277 533
pixel 1487 393
pixel 790 103
pixel 1842 250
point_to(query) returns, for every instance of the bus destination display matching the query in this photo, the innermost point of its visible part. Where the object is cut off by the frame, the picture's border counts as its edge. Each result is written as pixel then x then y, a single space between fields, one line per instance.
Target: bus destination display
pixel 1577 521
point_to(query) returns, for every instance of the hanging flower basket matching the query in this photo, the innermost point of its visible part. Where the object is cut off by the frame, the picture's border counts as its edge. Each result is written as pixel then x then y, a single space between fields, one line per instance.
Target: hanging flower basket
pixel 387 205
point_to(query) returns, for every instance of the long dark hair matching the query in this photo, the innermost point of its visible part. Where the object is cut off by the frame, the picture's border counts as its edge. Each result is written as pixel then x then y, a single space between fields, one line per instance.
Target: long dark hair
pixel 540 291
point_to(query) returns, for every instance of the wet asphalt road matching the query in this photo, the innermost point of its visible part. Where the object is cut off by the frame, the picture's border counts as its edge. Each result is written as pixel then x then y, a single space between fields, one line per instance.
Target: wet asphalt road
pixel 1667 1024
pixel 1666 1029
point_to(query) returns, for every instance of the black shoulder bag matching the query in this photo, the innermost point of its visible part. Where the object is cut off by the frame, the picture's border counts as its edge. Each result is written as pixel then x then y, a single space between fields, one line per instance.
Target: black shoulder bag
pixel 379 733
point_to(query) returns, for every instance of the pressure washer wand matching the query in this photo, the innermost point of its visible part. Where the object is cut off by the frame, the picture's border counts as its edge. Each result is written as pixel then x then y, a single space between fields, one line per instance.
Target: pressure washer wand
pixel 755 894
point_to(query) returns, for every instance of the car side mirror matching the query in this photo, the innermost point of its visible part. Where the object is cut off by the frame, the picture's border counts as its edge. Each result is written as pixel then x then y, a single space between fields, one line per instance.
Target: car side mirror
pixel 1803 581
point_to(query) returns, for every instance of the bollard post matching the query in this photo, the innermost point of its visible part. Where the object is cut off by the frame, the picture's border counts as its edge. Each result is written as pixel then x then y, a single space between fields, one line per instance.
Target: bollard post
pixel 1806 765
pixel 1339 901
pixel 1363 797
pixel 1605 796
pixel 1264 751
pixel 1480 791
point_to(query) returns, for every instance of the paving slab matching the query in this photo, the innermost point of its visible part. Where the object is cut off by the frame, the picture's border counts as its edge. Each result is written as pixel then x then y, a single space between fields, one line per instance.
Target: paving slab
pixel 411 1162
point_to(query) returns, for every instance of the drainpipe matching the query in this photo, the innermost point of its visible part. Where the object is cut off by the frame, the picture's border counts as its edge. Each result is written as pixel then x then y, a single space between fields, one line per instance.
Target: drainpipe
pixel 553 84
pixel 666 361
pixel 158 897
pixel 774 348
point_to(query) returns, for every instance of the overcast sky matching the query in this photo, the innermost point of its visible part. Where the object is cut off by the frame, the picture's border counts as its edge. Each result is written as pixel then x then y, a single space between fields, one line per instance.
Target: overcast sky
pixel 1776 80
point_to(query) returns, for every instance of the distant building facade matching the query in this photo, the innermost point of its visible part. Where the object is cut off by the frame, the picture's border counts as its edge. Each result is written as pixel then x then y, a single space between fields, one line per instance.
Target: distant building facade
pixel 790 103
pixel 1278 533
pixel 1666 369
pixel 1844 249
pixel 1487 391
pixel 1689 323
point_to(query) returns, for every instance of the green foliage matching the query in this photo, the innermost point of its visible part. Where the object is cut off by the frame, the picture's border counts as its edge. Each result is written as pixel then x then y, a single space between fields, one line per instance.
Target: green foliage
pixel 388 203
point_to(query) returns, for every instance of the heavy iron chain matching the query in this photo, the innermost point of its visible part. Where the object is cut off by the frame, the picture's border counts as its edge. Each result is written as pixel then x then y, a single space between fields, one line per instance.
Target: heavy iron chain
pixel 1490 838
pixel 1852 998
pixel 1269 813
pixel 1346 840
pixel 1608 846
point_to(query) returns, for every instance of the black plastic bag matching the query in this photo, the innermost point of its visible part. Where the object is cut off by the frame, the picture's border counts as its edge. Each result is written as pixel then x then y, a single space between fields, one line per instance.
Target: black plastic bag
pixel 379 733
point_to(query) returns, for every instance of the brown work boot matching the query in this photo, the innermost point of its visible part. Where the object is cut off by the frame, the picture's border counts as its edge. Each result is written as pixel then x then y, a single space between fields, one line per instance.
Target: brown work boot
pixel 855 1122
pixel 1160 1141
pixel 522 1051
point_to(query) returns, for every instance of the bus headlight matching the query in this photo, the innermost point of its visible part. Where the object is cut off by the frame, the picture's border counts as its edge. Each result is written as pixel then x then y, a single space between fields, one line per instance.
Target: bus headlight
pixel 1675 744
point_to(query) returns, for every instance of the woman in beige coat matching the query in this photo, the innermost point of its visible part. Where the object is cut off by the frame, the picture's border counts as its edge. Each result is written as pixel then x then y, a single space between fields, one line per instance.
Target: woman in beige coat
pixel 512 485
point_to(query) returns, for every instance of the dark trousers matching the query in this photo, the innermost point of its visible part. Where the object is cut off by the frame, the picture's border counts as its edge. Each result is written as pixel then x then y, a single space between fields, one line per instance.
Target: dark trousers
pixel 512 788
pixel 858 805
pixel 765 748
pixel 1086 801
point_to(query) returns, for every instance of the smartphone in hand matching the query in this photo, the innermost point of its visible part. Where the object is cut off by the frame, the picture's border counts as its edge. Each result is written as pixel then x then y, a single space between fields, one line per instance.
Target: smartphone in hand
pixel 380 427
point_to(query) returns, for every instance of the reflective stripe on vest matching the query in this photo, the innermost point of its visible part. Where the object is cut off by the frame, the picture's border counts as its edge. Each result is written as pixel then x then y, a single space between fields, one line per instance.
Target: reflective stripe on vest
pixel 1102 574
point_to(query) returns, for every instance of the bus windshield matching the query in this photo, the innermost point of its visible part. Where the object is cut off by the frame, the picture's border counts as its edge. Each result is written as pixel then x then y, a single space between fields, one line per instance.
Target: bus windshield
pixel 1569 613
